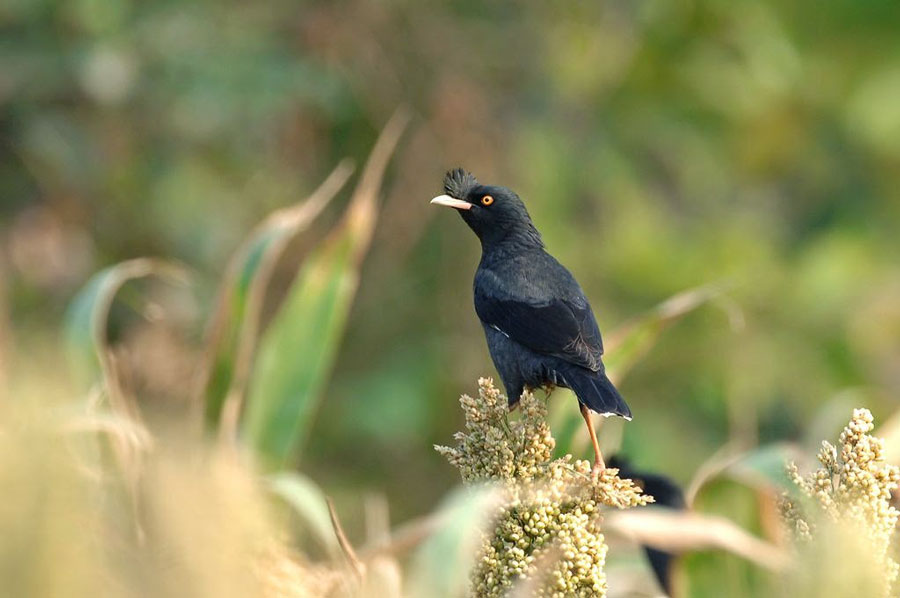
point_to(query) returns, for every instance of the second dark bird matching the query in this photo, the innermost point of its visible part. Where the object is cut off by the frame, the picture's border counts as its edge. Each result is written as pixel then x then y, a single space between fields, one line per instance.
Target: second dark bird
pixel 539 326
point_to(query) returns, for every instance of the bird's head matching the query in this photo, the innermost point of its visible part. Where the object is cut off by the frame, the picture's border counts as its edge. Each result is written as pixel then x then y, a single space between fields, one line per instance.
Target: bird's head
pixel 496 214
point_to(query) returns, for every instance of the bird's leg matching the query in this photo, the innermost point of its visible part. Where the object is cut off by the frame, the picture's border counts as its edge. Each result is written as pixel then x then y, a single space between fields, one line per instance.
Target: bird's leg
pixel 599 465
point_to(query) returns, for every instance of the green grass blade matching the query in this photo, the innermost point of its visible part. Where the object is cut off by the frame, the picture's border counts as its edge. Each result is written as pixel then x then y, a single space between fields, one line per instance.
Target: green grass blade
pixel 761 469
pixel 742 486
pixel 297 350
pixel 86 318
pixel 231 339
pixel 308 501
pixel 440 567
pixel 723 573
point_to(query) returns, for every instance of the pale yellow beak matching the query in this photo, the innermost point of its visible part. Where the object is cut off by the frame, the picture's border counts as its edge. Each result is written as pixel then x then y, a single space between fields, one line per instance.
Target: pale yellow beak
pixel 451 202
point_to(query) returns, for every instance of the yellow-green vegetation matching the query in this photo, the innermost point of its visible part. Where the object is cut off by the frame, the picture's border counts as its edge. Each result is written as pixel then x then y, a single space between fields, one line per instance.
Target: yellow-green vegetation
pixel 843 523
pixel 94 506
pixel 546 531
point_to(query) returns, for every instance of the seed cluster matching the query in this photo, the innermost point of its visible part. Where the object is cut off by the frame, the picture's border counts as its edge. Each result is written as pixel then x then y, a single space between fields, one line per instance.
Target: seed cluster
pixel 546 534
pixel 851 491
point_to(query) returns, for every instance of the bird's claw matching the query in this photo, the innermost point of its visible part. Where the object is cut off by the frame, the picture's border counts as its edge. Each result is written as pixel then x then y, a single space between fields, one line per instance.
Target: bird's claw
pixel 596 470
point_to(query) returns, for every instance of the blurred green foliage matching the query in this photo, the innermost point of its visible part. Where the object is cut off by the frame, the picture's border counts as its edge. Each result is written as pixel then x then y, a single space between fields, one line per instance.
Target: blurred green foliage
pixel 659 145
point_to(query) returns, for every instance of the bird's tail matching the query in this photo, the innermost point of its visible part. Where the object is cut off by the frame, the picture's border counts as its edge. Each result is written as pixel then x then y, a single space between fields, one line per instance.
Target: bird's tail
pixel 595 390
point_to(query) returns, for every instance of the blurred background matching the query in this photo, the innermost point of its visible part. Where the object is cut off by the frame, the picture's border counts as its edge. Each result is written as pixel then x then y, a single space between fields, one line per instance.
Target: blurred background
pixel 658 145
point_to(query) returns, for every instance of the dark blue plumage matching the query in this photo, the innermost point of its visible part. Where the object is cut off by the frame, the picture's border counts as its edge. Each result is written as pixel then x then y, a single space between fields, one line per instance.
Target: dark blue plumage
pixel 539 326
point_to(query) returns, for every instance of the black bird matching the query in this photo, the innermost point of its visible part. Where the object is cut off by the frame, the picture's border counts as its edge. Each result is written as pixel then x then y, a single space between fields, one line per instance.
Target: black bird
pixel 539 326
pixel 666 494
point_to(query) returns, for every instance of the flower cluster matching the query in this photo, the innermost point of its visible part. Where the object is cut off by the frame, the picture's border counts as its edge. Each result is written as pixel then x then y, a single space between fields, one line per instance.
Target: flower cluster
pixel 849 496
pixel 546 534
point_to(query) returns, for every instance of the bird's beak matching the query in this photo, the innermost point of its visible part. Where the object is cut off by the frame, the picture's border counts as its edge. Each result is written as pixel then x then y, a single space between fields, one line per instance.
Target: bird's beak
pixel 451 202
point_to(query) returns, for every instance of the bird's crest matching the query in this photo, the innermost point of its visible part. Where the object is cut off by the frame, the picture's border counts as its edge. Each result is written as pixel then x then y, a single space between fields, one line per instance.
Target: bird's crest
pixel 458 183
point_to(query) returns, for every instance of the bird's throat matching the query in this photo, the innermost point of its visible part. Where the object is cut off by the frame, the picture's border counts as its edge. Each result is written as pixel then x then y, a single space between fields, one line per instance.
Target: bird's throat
pixel 512 240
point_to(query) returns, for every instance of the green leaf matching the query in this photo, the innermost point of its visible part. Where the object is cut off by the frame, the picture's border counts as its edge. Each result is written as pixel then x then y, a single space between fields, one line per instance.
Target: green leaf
pixel 309 503
pixel 440 567
pixel 744 487
pixel 718 573
pixel 765 467
pixel 761 469
pixel 86 318
pixel 297 350
pixel 232 335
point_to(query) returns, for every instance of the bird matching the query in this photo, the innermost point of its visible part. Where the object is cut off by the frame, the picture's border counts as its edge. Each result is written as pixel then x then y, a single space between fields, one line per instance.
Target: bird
pixel 666 494
pixel 540 329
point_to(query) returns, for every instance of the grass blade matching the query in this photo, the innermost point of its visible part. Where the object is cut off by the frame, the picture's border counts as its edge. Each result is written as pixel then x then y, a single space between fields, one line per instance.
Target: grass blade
pixel 231 339
pixel 297 350
pixel 742 486
pixel 680 532
pixel 88 313
pixel 760 469
pixel 309 503
pixel 440 567
pixel 91 357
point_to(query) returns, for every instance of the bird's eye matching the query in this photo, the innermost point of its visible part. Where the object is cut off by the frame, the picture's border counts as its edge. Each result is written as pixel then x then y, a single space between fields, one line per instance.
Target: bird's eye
pixel 487 200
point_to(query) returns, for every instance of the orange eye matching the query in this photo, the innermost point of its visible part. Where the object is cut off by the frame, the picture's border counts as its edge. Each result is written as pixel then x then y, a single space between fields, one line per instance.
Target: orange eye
pixel 487 200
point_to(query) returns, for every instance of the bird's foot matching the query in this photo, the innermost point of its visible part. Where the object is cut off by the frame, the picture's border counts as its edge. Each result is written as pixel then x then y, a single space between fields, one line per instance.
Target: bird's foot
pixel 596 470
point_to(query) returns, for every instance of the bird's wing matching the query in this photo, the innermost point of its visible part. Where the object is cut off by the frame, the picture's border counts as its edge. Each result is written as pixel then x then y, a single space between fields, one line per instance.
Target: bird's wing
pixel 564 328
